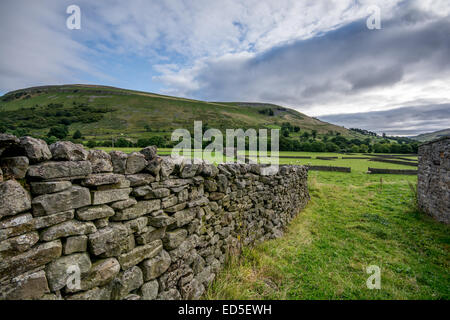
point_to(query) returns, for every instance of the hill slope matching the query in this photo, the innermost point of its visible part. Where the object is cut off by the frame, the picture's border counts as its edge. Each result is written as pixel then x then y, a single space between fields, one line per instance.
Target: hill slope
pixel 101 111
pixel 432 135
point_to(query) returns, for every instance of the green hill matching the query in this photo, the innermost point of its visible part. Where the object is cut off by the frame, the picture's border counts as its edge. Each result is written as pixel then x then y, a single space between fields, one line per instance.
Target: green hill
pixel 100 112
pixel 432 135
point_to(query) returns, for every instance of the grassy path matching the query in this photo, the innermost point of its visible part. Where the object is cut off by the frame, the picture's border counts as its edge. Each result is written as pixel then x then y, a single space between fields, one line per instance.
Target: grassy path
pixel 352 221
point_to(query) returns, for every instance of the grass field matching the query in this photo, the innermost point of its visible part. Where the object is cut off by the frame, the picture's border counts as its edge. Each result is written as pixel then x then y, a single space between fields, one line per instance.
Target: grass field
pixel 352 221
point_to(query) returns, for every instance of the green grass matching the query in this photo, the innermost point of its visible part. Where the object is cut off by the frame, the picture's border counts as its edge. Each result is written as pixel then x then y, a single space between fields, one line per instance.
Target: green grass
pixel 352 221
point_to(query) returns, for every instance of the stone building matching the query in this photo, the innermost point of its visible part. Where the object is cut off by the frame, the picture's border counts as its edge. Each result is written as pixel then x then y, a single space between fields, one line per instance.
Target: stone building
pixel 434 179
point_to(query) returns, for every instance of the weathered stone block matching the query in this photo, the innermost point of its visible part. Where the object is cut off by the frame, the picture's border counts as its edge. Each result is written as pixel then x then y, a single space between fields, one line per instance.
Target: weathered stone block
pixel 150 152
pixel 158 193
pixel 18 244
pixel 169 201
pixel 108 241
pixel 16 226
pixel 66 150
pixel 161 220
pixel 171 294
pixel 13 198
pixel 139 254
pixel 15 221
pixel 39 188
pixel 154 167
pixel 29 260
pixel 47 204
pixel 123 204
pixel 100 161
pixel 14 167
pixel 139 209
pixel 122 184
pixel 119 161
pixel 183 217
pixel 176 208
pixel 51 220
pixel 173 239
pixel 102 272
pixel 136 225
pixel 7 140
pixel 35 150
pixel 126 282
pixel 156 266
pixel 63 170
pixel 167 166
pixel 141 191
pixel 103 293
pixel 99 179
pixel 107 196
pixel 67 229
pixel 101 223
pixel 75 244
pixel 94 212
pixel 135 163
pixel 59 272
pixel 150 235
pixel 75 197
pixel 149 290
pixel 140 179
pixel 25 287
pixel 192 290
pixel 189 170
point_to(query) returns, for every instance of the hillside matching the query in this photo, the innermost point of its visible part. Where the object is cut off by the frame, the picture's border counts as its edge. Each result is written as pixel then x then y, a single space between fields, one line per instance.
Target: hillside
pixel 431 135
pixel 100 112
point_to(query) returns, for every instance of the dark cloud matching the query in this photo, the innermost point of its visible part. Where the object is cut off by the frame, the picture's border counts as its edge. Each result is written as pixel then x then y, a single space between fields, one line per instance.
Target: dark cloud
pixel 401 121
pixel 345 62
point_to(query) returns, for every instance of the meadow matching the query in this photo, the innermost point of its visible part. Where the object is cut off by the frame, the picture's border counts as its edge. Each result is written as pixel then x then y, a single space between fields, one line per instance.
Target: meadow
pixel 353 220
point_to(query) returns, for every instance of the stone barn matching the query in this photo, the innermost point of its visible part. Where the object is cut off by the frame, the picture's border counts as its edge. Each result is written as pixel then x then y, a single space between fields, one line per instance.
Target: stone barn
pixel 433 188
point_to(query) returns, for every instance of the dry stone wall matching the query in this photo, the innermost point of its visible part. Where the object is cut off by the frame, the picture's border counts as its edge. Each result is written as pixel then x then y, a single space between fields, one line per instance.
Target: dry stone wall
pixel 78 224
pixel 433 189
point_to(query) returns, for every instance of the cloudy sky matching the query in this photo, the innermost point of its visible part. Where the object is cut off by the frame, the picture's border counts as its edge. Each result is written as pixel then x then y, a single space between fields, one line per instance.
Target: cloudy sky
pixel 318 57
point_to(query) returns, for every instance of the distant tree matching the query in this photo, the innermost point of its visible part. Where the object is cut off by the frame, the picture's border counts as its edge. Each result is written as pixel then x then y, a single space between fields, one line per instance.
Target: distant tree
pixel 51 140
pixel 306 146
pixel 296 129
pixel 91 144
pixel 59 132
pixel 331 147
pixel 77 135
pixel 285 133
pixel 395 148
pixel 314 133
pixel 318 146
pixel 406 148
pixel 158 141
pixel 148 128
pixel 123 143
pixel 363 148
